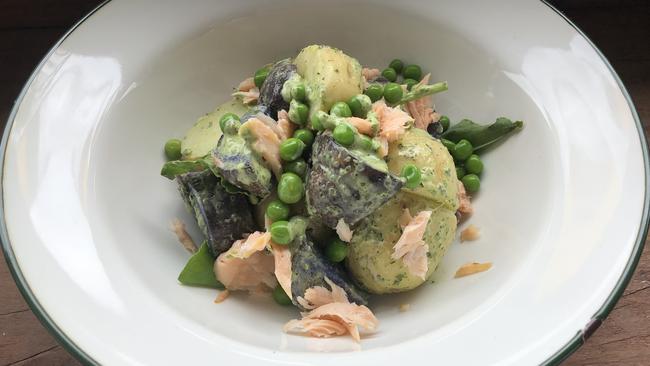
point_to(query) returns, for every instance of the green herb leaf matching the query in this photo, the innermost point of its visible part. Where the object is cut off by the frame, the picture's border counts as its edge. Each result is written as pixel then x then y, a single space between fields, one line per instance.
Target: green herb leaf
pixel 481 136
pixel 199 270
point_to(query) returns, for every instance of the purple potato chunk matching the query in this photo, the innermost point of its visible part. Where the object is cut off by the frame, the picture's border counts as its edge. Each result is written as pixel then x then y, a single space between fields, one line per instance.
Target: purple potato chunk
pixel 340 185
pixel 309 267
pixel 222 217
pixel 271 90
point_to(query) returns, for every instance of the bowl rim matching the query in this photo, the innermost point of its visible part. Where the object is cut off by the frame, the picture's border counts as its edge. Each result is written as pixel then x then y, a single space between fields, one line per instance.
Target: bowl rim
pixel 556 358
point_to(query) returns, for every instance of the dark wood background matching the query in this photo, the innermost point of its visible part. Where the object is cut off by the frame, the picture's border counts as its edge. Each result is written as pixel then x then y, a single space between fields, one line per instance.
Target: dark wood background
pixel 621 29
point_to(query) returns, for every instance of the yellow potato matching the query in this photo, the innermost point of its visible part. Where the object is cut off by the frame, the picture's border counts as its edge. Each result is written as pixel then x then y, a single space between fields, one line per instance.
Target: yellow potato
pixel 331 76
pixel 439 182
pixel 369 260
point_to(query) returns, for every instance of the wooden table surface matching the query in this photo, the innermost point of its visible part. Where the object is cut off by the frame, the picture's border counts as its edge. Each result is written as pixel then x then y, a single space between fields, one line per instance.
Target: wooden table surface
pixel 621 29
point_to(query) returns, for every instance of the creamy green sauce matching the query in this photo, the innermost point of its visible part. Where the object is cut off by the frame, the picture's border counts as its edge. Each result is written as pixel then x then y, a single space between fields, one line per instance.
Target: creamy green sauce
pixel 294 80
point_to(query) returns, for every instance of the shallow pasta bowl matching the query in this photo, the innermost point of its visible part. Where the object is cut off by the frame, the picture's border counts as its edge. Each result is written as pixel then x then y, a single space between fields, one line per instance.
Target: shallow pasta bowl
pixel 563 208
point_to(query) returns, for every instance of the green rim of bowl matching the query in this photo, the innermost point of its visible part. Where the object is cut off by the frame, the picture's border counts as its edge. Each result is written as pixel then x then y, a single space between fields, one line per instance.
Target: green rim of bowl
pixel 602 313
pixel 559 356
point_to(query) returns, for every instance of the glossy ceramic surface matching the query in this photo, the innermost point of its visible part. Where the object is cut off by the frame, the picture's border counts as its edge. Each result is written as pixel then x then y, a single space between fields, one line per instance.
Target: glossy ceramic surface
pixel 561 207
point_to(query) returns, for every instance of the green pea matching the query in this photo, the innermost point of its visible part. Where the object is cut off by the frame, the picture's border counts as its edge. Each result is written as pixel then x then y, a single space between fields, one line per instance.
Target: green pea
pixel 281 232
pixel 390 74
pixel 396 65
pixel 360 105
pixel 450 145
pixel 280 296
pixel 462 150
pixel 460 172
pixel 337 250
pixel 474 164
pixel 412 72
pixel 291 149
pixel 173 149
pixel 374 91
pixel 412 175
pixel 290 188
pixel 298 167
pixel 409 83
pixel 225 118
pixel 260 76
pixel 471 182
pixel 304 135
pixel 341 109
pixel 344 134
pixel 393 93
pixel 444 122
pixel 316 120
pixel 277 210
pixel 298 112
pixel 365 142
pixel 298 92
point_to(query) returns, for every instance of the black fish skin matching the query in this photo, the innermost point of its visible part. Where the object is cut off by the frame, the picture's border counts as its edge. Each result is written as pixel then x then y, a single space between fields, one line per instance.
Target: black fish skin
pixel 342 186
pixel 223 217
pixel 271 90
pixel 309 267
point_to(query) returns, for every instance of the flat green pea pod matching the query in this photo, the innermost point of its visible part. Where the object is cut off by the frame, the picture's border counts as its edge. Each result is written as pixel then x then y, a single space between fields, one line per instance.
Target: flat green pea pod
pixel 199 270
pixel 177 167
pixel 419 91
pixel 370 261
pixel 482 136
pixel 438 180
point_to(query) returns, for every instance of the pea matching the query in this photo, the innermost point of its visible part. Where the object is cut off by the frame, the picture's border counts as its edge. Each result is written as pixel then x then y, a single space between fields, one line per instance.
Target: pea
pixel 304 135
pixel 298 167
pixel 260 76
pixel 360 105
pixel 277 210
pixel 281 232
pixel 474 164
pixel 173 149
pixel 393 93
pixel 280 296
pixel 365 142
pixel 316 120
pixel 298 92
pixel 374 91
pixel 412 175
pixel 291 149
pixel 450 145
pixel 460 172
pixel 344 134
pixel 412 72
pixel 462 150
pixel 298 112
pixel 225 118
pixel 290 188
pixel 471 182
pixel 396 65
pixel 409 83
pixel 444 122
pixel 337 250
pixel 341 109
pixel 390 74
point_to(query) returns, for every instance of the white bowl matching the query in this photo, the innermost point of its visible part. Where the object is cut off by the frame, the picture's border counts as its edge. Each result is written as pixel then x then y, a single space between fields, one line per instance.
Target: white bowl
pixel 563 210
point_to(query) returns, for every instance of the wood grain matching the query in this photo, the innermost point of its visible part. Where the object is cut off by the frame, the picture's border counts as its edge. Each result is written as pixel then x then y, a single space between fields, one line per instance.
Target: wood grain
pixel 621 29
